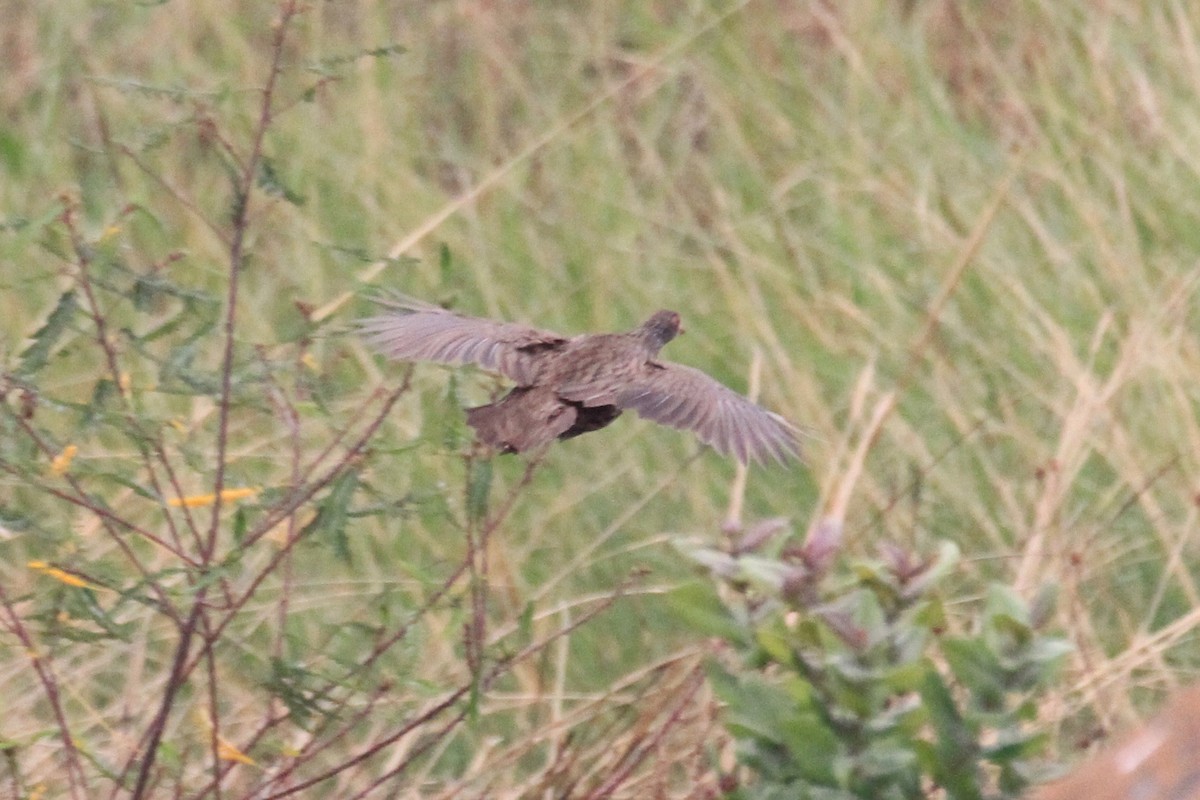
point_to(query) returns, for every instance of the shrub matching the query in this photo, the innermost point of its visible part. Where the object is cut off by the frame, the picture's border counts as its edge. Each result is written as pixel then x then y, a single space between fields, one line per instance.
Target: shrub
pixel 847 678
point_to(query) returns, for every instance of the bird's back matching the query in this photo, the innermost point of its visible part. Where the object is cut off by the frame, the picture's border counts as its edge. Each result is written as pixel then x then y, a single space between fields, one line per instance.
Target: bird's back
pixel 607 358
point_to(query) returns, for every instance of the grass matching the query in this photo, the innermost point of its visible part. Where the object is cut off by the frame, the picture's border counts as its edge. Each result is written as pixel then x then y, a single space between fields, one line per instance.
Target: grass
pixel 985 209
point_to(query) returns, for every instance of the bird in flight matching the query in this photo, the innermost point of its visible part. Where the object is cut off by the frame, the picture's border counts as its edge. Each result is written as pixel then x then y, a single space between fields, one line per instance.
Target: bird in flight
pixel 571 385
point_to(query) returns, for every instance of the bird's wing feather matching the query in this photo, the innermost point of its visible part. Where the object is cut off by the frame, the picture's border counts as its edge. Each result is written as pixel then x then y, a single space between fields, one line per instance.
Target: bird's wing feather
pixel 682 397
pixel 420 332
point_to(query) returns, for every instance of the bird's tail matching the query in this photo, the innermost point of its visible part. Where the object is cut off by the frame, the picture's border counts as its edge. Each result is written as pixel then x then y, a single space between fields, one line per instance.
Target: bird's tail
pixel 525 419
pixel 492 426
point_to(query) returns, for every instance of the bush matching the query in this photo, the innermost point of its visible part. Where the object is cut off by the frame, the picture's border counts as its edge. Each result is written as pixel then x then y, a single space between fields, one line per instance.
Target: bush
pixel 848 682
pixel 225 576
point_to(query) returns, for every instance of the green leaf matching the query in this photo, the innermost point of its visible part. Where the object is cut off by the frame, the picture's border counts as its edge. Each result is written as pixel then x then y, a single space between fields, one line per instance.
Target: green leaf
pixel 479 486
pixel 719 563
pixel 1049 651
pixel 890 760
pixel 525 623
pixel 473 699
pixel 857 618
pixel 977 668
pixel 271 183
pixel 948 557
pixel 13 521
pixel 776 643
pixel 765 574
pixel 955 750
pixel 29 229
pixel 1007 635
pixel 1013 744
pixel 128 483
pixel 1003 601
pixel 240 524
pixel 35 356
pixel 169 755
pixel 787 740
pixel 103 392
pixel 86 605
pixel 330 522
pixel 451 427
pixel 294 685
pixel 12 153
pixel 697 606
pixel 220 571
pixel 446 264
pixel 328 67
pixel 177 367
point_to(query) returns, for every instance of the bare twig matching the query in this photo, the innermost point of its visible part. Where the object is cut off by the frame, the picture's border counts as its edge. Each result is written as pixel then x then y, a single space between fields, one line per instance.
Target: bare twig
pixel 104 340
pixel 437 709
pixel 107 520
pixel 180 667
pixel 41 665
pixel 288 10
pixel 637 751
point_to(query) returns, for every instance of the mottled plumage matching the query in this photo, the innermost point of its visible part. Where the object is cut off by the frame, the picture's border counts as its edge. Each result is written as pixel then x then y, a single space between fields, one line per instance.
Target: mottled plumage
pixel 567 386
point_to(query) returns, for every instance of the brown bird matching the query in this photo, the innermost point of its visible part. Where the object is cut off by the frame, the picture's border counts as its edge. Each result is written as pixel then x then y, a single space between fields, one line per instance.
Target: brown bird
pixel 567 386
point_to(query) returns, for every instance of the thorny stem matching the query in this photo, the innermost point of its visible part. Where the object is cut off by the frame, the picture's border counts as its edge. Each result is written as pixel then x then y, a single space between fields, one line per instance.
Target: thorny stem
pixel 474 630
pixel 50 687
pixel 82 500
pixel 214 709
pixel 287 507
pixel 107 519
pixel 635 755
pixel 293 504
pixel 104 340
pixel 236 261
pixel 478 539
pixel 179 666
pixel 501 668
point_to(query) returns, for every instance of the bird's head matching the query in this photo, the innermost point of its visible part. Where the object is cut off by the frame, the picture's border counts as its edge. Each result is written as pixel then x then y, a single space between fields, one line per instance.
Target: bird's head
pixel 661 328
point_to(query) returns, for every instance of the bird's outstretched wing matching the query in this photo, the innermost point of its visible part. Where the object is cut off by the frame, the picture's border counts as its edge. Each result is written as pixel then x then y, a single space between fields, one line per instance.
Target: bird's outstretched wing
pixel 416 331
pixel 682 397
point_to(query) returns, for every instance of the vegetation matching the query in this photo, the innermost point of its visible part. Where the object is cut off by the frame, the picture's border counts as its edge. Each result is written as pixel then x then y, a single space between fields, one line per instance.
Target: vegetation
pixel 242 556
pixel 849 686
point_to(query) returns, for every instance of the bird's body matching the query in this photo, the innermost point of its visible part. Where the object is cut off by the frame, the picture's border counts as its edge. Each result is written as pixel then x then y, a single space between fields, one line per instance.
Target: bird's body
pixel 529 417
pixel 570 386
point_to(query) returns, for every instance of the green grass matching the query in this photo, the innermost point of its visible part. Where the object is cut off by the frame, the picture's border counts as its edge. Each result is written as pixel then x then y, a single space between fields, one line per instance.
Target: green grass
pixel 800 181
